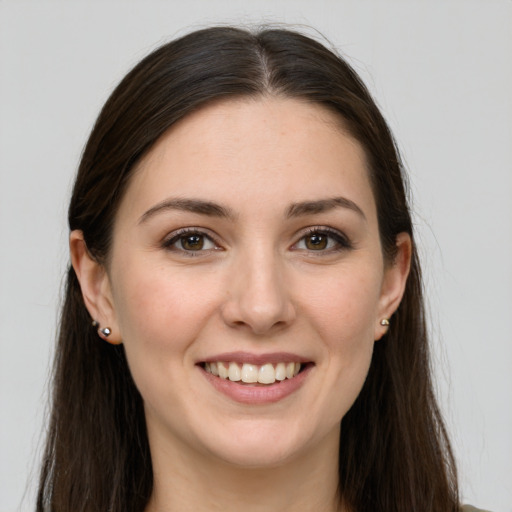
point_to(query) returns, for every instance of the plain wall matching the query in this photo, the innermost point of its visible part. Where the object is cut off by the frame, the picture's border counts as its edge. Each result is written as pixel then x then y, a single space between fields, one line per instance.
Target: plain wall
pixel 442 73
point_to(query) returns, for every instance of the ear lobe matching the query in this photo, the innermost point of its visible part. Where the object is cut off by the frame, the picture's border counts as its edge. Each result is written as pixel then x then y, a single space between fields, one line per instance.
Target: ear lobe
pixel 95 286
pixel 393 283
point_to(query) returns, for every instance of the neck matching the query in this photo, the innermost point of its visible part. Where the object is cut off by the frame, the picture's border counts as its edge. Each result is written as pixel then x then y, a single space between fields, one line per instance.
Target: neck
pixel 307 483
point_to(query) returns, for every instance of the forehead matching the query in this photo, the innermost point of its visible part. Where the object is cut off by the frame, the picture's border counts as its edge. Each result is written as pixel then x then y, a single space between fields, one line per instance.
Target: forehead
pixel 257 150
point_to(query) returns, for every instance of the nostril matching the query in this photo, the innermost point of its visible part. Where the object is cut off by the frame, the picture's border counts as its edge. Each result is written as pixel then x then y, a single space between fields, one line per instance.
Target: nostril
pixel 261 305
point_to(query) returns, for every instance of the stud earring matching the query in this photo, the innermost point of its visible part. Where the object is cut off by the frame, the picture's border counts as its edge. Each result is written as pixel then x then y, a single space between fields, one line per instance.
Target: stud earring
pixel 384 322
pixel 106 331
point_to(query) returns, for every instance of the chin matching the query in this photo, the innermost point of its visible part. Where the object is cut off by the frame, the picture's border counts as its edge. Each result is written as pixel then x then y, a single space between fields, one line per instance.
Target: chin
pixel 260 456
pixel 261 445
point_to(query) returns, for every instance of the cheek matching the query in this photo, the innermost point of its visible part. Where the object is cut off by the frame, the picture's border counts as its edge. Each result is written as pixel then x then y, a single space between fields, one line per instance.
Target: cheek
pixel 160 314
pixel 344 308
pixel 159 310
pixel 342 313
pixel 345 315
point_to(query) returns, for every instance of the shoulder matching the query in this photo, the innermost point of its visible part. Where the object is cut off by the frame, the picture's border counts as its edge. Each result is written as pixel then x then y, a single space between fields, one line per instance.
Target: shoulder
pixel 469 508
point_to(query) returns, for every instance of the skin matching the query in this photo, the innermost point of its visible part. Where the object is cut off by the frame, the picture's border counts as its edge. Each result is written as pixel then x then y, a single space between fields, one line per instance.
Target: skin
pixel 259 285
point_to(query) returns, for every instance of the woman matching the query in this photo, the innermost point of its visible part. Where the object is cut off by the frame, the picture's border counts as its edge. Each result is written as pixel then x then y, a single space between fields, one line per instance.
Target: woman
pixel 243 323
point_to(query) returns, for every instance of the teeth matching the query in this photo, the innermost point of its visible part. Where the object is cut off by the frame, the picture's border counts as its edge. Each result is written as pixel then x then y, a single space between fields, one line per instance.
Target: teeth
pixel 234 372
pixel 267 374
pixel 280 371
pixel 223 371
pixel 290 370
pixel 251 373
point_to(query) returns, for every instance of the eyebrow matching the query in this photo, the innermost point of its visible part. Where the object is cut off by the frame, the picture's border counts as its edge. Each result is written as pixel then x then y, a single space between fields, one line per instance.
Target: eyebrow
pixel 323 205
pixel 189 205
pixel 212 209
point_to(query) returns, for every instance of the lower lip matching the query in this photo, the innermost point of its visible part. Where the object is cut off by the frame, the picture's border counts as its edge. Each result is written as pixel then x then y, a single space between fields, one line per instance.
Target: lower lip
pixel 266 394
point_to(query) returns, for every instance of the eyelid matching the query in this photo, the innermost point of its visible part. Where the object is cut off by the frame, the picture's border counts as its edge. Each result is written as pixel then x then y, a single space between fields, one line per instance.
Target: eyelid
pixel 343 241
pixel 174 236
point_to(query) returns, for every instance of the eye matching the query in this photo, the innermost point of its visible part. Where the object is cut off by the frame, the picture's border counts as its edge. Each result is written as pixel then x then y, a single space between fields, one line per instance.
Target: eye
pixel 323 240
pixel 190 241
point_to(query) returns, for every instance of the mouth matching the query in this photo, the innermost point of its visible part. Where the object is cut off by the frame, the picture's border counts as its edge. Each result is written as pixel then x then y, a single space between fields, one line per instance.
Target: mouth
pixel 256 379
pixel 253 374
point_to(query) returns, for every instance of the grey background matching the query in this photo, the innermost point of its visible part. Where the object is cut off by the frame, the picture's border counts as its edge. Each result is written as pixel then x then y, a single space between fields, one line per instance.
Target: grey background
pixel 442 73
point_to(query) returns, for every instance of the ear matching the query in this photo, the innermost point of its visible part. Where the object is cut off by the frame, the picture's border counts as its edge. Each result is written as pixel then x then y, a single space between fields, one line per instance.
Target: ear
pixel 95 286
pixel 393 283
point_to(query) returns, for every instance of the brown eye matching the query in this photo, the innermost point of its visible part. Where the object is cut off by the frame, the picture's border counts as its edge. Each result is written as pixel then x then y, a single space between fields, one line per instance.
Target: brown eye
pixel 324 240
pixel 316 241
pixel 192 242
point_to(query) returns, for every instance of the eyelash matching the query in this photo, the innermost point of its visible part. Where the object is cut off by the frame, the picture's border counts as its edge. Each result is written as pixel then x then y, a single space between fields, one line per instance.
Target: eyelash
pixel 182 234
pixel 341 240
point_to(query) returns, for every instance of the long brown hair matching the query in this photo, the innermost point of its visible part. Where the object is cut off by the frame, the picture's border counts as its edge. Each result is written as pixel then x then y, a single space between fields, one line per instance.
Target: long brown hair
pixel 394 452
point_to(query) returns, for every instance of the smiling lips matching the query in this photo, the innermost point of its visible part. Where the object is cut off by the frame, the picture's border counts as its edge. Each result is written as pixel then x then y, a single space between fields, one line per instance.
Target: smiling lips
pixel 255 379
pixel 248 373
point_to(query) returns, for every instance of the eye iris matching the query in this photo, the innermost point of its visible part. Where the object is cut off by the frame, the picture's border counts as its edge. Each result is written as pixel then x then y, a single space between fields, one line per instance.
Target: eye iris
pixel 316 241
pixel 192 242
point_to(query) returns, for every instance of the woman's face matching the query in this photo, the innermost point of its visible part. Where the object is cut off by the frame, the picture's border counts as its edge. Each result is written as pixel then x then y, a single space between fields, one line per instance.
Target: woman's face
pixel 247 244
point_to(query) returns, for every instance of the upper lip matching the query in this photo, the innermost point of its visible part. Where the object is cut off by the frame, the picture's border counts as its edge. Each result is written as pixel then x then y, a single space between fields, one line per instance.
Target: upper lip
pixel 256 359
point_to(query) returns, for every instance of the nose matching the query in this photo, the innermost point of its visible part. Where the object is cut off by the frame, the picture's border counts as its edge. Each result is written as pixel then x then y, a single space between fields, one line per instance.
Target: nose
pixel 258 295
